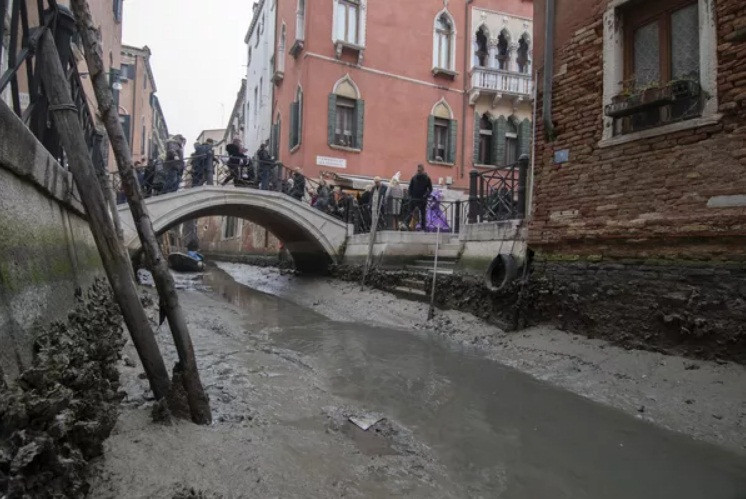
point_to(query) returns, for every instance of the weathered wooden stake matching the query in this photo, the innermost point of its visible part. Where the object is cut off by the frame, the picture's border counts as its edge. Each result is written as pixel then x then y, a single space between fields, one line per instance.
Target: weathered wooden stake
pixel 199 405
pixel 114 258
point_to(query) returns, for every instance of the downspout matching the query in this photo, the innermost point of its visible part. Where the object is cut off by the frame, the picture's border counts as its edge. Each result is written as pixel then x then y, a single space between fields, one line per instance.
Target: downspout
pixel 530 189
pixel 548 70
pixel 467 34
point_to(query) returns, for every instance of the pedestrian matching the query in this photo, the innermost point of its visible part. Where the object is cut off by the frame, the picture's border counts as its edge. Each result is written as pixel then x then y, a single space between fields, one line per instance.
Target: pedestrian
pixel 420 188
pixel 174 167
pixel 393 203
pixel 322 196
pixel 378 201
pixel 299 184
pixel 265 166
pixel 201 162
pixel 237 160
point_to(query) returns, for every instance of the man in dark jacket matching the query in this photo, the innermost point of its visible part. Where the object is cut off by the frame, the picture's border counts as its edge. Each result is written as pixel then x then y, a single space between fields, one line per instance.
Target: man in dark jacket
pixel 420 188
pixel 236 160
pixel 265 166
pixel 299 185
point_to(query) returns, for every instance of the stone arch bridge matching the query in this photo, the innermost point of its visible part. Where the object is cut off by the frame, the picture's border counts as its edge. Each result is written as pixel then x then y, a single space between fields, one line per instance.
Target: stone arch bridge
pixel 313 238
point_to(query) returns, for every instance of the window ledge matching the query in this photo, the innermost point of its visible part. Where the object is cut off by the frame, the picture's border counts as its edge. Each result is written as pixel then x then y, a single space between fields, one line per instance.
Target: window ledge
pixel 448 73
pixel 295 148
pixel 345 148
pixel 341 45
pixel 278 76
pixel 440 163
pixel 661 130
pixel 486 167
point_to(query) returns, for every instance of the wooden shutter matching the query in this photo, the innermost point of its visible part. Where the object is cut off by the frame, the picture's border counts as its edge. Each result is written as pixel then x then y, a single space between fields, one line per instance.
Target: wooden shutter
pixel 291 131
pixel 279 139
pixel 524 137
pixel 430 137
pixel 299 122
pixel 332 118
pixel 499 127
pixel 477 121
pixel 452 140
pixel 359 122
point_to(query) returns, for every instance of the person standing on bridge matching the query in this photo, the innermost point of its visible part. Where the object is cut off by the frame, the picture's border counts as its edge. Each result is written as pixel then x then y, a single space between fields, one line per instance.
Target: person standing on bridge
pixel 174 166
pixel 420 188
pixel 299 184
pixel 236 158
pixel 265 166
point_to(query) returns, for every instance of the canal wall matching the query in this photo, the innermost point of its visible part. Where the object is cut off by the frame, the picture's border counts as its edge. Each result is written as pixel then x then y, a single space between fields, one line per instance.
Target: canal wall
pixel 47 251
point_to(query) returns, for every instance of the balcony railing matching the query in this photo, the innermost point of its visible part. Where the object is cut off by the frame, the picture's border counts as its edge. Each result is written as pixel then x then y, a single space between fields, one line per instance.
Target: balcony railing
pixel 500 81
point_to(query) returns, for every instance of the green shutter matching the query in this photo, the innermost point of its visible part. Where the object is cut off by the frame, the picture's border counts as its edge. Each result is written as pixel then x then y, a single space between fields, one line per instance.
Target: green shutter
pixel 499 127
pixel 359 122
pixel 477 120
pixel 452 140
pixel 430 137
pixel 524 137
pixel 332 118
pixel 291 131
pixel 279 139
pixel 299 124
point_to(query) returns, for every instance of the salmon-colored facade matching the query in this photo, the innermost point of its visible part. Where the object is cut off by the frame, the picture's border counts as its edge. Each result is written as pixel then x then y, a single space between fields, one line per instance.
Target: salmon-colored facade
pixel 405 71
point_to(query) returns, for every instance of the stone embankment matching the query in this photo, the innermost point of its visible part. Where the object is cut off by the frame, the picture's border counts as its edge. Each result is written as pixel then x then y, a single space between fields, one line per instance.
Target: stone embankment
pixel 58 413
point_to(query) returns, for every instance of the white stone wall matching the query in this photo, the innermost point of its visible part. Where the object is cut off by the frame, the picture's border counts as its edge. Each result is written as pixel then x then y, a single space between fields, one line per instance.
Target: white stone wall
pixel 497 21
pixel 260 41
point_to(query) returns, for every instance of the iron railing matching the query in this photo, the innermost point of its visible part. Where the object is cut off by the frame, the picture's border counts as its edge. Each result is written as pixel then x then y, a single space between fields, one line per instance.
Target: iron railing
pixel 28 20
pixel 499 193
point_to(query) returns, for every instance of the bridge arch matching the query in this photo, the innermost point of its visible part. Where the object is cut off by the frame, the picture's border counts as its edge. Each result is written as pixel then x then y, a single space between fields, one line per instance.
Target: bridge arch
pixel 313 238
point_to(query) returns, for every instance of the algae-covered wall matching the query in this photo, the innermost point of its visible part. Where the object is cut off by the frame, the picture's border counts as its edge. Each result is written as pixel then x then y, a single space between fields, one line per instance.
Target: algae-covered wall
pixel 46 248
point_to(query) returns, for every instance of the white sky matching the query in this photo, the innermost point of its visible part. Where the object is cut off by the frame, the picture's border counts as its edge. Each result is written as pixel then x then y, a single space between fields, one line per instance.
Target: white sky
pixel 198 57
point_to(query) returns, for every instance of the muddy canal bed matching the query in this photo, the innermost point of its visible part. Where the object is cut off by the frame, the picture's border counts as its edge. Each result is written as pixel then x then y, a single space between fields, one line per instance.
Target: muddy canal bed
pixel 284 377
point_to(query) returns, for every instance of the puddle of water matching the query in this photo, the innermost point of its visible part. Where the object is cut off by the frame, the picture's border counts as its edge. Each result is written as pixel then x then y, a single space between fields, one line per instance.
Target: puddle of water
pixel 495 429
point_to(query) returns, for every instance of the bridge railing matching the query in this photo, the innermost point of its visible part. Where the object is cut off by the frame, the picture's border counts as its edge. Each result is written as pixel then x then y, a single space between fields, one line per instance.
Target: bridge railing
pixel 446 215
pixel 20 82
pixel 498 194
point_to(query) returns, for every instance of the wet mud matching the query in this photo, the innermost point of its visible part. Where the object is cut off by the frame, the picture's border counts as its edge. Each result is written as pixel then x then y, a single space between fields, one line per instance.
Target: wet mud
pixel 55 418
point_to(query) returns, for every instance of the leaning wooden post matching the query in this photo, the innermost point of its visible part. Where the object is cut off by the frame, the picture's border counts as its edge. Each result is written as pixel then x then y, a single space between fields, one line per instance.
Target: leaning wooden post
pixel 113 256
pixel 199 405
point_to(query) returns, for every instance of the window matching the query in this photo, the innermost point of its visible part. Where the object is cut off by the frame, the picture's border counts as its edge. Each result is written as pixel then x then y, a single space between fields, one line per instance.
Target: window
pixel 296 119
pixel 256 101
pixel 481 54
pixel 127 72
pixel 511 143
pixel 117 8
pixel 522 58
pixel 503 51
pixel 348 21
pixel 275 138
pixel 484 152
pixel 300 21
pixel 280 68
pixel 142 141
pixel 124 119
pixel 660 67
pixel 441 146
pixel 662 43
pixel 346 115
pixel 443 42
pixel 230 226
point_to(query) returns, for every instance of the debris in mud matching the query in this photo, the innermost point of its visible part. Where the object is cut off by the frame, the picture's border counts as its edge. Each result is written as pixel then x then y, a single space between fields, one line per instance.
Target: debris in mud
pixel 192 493
pixel 58 413
pixel 366 421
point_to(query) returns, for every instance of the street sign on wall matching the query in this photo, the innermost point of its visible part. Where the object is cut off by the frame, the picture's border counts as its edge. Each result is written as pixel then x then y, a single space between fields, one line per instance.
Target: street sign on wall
pixel 331 162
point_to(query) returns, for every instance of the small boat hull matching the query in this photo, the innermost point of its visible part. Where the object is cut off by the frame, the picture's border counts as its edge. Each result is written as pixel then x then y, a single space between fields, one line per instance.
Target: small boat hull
pixel 181 262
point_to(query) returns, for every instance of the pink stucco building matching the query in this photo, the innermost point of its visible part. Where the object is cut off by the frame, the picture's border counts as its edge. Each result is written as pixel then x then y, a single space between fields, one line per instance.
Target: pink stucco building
pixel 372 87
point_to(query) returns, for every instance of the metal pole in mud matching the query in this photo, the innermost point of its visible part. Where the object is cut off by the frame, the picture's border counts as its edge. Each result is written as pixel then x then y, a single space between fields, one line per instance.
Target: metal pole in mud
pixel 431 311
pixel 375 203
pixel 186 369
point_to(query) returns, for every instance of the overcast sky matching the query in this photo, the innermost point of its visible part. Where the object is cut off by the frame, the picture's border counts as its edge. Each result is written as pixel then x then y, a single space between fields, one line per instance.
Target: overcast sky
pixel 198 60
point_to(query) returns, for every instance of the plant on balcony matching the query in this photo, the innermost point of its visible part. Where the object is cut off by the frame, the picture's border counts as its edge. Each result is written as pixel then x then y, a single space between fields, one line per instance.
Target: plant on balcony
pixel 633 99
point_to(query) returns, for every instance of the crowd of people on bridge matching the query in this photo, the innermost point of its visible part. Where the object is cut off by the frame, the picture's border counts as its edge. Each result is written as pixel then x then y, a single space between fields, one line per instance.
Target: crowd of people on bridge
pixel 391 206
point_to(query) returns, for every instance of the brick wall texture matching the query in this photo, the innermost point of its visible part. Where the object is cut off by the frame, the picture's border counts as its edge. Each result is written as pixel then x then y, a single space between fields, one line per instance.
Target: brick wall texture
pixel 649 197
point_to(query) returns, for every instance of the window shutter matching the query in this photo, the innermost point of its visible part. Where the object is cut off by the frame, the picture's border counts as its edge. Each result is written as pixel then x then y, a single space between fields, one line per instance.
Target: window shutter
pixel 452 140
pixel 430 137
pixel 499 127
pixel 291 131
pixel 332 118
pixel 279 139
pixel 524 137
pixel 299 117
pixel 477 120
pixel 359 122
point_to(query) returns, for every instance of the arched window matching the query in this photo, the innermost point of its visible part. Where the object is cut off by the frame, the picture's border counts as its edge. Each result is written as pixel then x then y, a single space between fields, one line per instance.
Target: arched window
pixel 443 42
pixel 503 51
pixel 511 142
pixel 300 21
pixel 281 50
pixel 441 146
pixel 522 55
pixel 296 119
pixel 482 52
pixel 484 156
pixel 275 137
pixel 346 115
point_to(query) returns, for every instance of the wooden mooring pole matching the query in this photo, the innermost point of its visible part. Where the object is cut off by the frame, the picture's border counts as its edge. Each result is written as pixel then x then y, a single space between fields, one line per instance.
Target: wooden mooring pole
pixel 199 405
pixel 113 255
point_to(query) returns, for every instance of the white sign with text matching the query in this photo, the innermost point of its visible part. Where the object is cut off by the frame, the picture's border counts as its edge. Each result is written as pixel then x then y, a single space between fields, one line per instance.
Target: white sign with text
pixel 331 162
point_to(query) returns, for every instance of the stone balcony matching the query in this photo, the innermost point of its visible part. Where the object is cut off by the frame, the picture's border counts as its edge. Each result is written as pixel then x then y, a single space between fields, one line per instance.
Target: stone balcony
pixel 499 84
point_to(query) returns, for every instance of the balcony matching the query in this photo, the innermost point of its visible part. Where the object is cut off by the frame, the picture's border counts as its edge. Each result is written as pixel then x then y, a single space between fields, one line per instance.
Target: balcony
pixel 499 84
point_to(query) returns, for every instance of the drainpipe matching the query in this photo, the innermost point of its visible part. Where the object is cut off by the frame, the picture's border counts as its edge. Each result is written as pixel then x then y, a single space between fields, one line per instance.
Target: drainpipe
pixel 548 70
pixel 467 44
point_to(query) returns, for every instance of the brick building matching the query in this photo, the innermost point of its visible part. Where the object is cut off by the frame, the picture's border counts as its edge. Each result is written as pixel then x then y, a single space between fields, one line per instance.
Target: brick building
pixel 231 238
pixel 372 87
pixel 639 203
